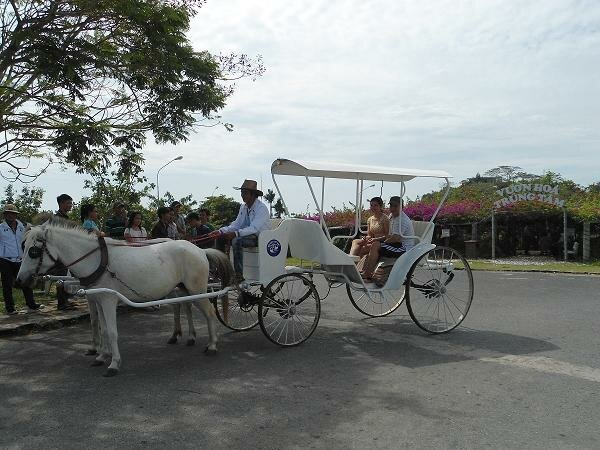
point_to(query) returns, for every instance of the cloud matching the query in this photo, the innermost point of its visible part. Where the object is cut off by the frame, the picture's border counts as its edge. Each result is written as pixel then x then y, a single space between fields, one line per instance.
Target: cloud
pixel 457 85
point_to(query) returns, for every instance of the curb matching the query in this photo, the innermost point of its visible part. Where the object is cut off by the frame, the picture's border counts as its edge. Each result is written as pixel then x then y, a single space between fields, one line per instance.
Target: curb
pixel 44 323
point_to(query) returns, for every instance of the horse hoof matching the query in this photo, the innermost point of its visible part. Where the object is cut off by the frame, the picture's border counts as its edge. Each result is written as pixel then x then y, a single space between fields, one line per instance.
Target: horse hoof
pixel 190 342
pixel 210 352
pixel 97 363
pixel 110 373
pixel 172 340
pixel 90 352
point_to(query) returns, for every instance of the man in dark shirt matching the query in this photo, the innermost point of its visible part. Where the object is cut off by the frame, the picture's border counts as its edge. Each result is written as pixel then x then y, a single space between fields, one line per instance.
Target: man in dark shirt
pixel 160 229
pixel 198 227
pixel 116 224
pixel 65 204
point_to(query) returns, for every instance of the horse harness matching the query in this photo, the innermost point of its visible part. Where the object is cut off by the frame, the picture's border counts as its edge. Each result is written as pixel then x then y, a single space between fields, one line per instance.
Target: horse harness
pixel 35 252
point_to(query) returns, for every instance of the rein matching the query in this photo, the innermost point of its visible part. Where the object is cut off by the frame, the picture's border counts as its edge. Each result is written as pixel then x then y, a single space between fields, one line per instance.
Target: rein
pixel 84 281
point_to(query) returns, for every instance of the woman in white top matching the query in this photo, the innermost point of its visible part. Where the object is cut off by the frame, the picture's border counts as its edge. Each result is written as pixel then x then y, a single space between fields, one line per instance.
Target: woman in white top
pixel 135 231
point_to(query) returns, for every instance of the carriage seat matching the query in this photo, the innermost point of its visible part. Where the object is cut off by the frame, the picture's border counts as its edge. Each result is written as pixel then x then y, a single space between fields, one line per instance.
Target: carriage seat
pixel 274 224
pixel 251 256
pixel 423 234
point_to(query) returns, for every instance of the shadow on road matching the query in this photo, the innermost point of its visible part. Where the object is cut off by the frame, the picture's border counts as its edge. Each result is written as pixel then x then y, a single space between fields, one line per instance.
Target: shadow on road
pixel 252 394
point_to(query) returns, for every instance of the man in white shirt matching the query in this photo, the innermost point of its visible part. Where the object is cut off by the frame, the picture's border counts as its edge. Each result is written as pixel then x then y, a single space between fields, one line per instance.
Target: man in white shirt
pixel 400 226
pixel 253 217
pixel 11 254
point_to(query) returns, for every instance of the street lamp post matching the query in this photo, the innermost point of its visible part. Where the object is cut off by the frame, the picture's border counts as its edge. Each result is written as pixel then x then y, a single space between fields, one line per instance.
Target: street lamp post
pixel 361 191
pixel 365 188
pixel 179 158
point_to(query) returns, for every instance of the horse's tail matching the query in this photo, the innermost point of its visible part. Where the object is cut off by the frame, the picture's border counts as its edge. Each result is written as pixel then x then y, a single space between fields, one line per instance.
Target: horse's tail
pixel 219 265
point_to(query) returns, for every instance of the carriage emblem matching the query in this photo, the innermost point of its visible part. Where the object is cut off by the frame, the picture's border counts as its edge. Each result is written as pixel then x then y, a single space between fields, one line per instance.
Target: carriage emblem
pixel 273 247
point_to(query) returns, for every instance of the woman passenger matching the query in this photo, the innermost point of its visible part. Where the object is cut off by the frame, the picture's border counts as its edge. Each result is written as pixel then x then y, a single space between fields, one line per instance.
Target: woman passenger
pixel 378 230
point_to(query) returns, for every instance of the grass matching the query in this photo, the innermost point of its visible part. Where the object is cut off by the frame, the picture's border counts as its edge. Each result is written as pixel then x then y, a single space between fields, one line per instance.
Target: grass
pixel 566 267
pixel 20 300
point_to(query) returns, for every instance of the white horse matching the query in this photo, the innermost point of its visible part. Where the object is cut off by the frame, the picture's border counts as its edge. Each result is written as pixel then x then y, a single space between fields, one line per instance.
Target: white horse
pixel 139 273
pixel 221 268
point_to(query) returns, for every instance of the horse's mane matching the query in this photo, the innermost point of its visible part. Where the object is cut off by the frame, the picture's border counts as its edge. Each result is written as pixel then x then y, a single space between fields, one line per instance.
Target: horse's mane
pixel 56 222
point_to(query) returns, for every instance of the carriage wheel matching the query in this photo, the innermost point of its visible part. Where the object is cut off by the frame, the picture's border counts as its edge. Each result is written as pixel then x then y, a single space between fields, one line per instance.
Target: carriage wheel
pixel 375 304
pixel 289 310
pixel 439 295
pixel 236 311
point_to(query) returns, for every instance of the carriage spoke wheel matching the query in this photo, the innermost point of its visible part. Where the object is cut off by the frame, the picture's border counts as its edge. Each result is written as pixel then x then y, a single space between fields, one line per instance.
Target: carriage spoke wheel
pixel 440 290
pixel 236 311
pixel 289 310
pixel 375 304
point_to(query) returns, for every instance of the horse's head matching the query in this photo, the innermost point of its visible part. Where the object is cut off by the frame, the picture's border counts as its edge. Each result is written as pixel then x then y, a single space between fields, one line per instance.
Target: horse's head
pixel 39 254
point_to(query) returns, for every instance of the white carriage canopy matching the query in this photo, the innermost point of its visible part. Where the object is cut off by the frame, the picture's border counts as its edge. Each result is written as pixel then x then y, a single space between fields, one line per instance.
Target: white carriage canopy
pixel 283 166
pixel 360 173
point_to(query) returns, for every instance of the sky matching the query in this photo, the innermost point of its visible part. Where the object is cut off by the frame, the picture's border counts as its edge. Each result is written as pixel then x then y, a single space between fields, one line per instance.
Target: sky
pixel 462 86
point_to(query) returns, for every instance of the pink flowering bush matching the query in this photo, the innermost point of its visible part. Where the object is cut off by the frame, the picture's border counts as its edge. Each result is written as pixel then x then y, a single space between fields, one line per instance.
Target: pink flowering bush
pixel 464 209
pixel 338 217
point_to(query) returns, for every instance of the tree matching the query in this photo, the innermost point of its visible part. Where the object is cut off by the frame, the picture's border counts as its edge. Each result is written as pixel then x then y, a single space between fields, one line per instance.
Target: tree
pixel 223 210
pixel 510 173
pixel 84 82
pixel 594 188
pixel 123 184
pixel 28 202
pixel 279 209
pixel 187 202
pixel 270 198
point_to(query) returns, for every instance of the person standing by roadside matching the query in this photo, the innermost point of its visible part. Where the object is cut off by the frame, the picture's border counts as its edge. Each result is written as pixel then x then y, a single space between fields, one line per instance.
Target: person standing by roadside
pixel 204 215
pixel 178 219
pixel 135 232
pixel 172 228
pixel 89 215
pixel 11 255
pixel 115 225
pixel 65 204
pixel 197 229
pixel 160 228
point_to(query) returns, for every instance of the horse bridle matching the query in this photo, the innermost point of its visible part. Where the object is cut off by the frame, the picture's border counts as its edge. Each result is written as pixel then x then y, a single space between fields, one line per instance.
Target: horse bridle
pixel 35 252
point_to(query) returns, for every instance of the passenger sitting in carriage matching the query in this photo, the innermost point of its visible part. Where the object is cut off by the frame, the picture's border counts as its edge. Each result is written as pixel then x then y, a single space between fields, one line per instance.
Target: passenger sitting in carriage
pixel 400 225
pixel 378 230
pixel 394 244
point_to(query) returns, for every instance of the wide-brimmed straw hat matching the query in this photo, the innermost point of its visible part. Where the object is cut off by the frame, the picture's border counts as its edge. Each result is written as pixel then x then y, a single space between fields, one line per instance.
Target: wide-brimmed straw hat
pixel 9 207
pixel 250 185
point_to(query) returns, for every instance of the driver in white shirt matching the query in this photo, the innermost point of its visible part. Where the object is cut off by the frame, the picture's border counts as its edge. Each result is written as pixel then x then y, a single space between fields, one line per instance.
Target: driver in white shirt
pixel 253 217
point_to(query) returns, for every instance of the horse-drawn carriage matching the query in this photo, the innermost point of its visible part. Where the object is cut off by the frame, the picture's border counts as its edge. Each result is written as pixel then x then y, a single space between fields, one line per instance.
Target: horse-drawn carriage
pixel 284 300
pixel 435 281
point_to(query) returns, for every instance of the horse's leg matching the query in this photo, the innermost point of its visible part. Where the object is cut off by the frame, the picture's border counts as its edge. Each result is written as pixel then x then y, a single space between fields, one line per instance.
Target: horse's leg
pixel 103 351
pixel 176 324
pixel 109 312
pixel 209 312
pixel 191 330
pixel 95 325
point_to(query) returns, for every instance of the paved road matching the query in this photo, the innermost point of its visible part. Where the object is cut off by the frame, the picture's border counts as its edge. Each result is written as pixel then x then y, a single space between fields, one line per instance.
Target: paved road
pixel 523 372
